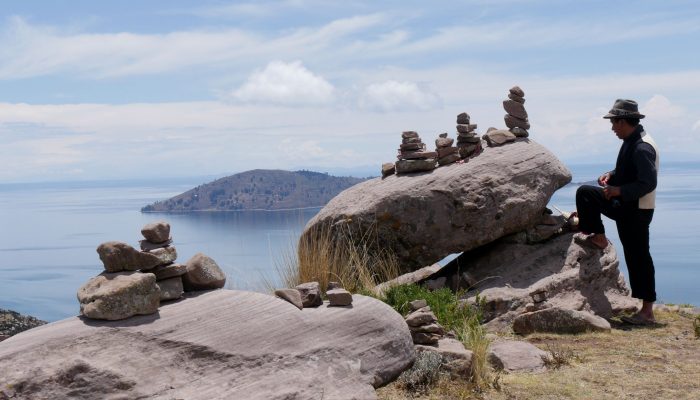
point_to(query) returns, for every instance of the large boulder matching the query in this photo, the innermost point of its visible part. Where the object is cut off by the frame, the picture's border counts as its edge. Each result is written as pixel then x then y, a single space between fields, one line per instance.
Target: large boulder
pixel 114 296
pixel 119 256
pixel 559 320
pixel 216 345
pixel 424 217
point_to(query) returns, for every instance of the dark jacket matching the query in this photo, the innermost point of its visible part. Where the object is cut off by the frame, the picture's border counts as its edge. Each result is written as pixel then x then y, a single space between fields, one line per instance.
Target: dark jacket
pixel 636 168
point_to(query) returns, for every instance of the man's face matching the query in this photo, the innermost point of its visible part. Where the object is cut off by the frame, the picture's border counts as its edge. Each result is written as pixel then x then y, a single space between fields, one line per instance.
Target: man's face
pixel 620 127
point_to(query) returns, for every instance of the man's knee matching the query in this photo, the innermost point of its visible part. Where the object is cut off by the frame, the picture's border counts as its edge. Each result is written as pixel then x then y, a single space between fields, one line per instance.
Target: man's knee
pixel 585 192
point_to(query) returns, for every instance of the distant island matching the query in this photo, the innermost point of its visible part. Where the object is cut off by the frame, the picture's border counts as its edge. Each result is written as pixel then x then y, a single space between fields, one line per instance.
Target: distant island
pixel 259 189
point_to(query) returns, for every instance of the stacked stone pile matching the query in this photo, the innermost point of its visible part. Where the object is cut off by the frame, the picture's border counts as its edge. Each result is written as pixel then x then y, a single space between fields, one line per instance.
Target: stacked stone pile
pixel 468 142
pixel 446 152
pixel 135 282
pixel 413 156
pixel 308 295
pixel 516 118
pixel 423 324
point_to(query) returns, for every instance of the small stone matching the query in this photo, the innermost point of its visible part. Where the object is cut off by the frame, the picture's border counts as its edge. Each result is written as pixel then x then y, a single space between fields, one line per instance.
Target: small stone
pixel 148 246
pixel 156 232
pixel 418 318
pixel 530 307
pixel 515 109
pixel 408 166
pixel 517 98
pixel 457 360
pixel 203 274
pixel 539 296
pixel 446 151
pixel 463 119
pixel 449 159
pixel 163 272
pixel 443 135
pixel 519 132
pixel 443 142
pixel 388 169
pixel 417 304
pixel 166 255
pixel 170 289
pixel 513 122
pixel 310 294
pixel 466 128
pixel 434 328
pixel 412 155
pixel 411 140
pixel 409 134
pixel 115 296
pixel 517 91
pixel 412 146
pixel 119 256
pixel 436 284
pixel 339 297
pixel 468 140
pixel 424 338
pixel 468 150
pixel 333 285
pixel 512 356
pixel 498 137
pixel 290 295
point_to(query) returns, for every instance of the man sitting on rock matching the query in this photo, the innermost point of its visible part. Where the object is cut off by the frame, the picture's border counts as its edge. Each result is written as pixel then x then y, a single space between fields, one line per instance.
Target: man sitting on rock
pixel 627 196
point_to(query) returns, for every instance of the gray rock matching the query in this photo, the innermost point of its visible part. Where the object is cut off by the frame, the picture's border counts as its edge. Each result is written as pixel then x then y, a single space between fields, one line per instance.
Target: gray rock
pixel 409 134
pixel 119 256
pixel 412 146
pixel 202 274
pixel 426 217
pixel 419 317
pixel 388 169
pixel 443 135
pixel 407 278
pixel 517 91
pixel 417 304
pixel 148 246
pixel 339 297
pixel 413 155
pixel 170 289
pixel 498 137
pixel 234 344
pixel 433 328
pixel 290 295
pixel 468 140
pixel 412 140
pixel 166 255
pixel 114 296
pixel 446 151
pixel 515 356
pixel 513 122
pixel 449 159
pixel 457 360
pixel 156 232
pixel 443 142
pixel 163 272
pixel 463 119
pixel 408 166
pixel 466 128
pixel 424 338
pixel 559 320
pixel 333 285
pixel 310 294
pixel 515 109
pixel 470 149
pixel 519 132
pixel 517 98
pixel 436 284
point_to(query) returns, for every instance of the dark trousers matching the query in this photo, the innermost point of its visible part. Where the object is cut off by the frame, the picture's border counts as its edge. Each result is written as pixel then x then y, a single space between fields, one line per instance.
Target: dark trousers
pixel 633 228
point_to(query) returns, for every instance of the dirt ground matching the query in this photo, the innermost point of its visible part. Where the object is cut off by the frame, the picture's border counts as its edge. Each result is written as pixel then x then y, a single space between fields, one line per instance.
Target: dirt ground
pixel 658 362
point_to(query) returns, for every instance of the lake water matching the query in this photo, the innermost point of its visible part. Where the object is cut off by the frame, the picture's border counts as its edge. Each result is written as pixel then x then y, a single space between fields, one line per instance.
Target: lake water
pixel 49 232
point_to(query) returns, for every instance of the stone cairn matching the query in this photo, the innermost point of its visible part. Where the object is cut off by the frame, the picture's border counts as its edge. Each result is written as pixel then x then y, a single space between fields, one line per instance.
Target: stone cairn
pixel 308 295
pixel 413 156
pixel 516 117
pixel 423 324
pixel 135 282
pixel 446 152
pixel 468 142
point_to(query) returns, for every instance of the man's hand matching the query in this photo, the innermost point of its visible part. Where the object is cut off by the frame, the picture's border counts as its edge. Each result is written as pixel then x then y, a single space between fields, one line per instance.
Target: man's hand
pixel 611 191
pixel 603 180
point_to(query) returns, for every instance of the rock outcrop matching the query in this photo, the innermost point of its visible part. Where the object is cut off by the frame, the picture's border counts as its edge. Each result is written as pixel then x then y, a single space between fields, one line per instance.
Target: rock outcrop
pixel 12 323
pixel 216 345
pixel 423 218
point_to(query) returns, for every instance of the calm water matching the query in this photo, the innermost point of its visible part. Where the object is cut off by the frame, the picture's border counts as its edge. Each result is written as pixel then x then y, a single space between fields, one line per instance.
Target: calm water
pixel 48 236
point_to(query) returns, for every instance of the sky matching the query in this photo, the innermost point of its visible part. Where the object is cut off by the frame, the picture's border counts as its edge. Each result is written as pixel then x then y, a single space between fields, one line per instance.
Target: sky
pixel 146 89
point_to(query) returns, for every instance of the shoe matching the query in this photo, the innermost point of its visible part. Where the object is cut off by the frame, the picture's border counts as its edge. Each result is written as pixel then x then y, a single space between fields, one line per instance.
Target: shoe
pixel 587 241
pixel 637 319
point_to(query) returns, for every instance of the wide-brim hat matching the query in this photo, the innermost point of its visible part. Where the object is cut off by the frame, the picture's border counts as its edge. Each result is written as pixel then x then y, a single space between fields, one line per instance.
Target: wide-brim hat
pixel 624 109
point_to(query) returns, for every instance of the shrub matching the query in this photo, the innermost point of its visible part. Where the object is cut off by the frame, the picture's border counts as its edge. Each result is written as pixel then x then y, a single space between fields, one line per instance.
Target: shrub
pixel 424 374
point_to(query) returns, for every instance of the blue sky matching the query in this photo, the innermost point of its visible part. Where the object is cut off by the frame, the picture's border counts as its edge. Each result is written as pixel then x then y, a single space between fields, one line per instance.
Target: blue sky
pixel 104 90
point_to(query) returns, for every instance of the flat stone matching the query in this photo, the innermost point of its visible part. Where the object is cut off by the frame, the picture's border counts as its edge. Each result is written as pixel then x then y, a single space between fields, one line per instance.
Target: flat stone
pixel 559 320
pixel 449 159
pixel 467 140
pixel 203 274
pixel 517 91
pixel 418 318
pixel 498 137
pixel 443 135
pixel 409 134
pixel 515 109
pixel 463 119
pixel 170 289
pixel 516 356
pixel 443 142
pixel 412 146
pixel 339 297
pixel 408 278
pixel 413 155
pixel 457 360
pixel 517 98
pixel 519 132
pixel 430 328
pixel 148 246
pixel 167 271
pixel 411 140
pixel 119 256
pixel 290 295
pixel 417 304
pixel 513 122
pixel 424 338
pixel 461 128
pixel 408 166
pixel 446 151
pixel 166 255
pixel 310 294
pixel 156 232
pixel 388 169
pixel 115 296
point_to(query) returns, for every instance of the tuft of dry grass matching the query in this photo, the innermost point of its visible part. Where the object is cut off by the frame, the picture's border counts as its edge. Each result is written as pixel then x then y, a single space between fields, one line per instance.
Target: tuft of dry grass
pixel 337 255
pixel 696 326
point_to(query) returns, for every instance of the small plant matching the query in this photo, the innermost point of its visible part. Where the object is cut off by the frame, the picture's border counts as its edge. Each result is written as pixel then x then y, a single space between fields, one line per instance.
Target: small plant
pixel 424 374
pixel 560 356
pixel 473 335
pixel 696 325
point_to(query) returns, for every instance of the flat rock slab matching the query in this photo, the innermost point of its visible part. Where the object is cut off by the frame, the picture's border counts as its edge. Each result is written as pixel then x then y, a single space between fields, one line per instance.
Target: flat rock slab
pixel 425 217
pixel 515 356
pixel 216 345
pixel 558 320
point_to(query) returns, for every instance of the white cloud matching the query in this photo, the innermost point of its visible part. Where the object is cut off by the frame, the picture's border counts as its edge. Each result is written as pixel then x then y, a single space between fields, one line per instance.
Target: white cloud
pixel 285 83
pixel 660 108
pixel 398 96
pixel 696 126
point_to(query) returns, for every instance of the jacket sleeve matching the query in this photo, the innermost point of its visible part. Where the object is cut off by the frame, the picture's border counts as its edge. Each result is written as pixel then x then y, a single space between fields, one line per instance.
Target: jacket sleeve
pixel 644 159
pixel 611 181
